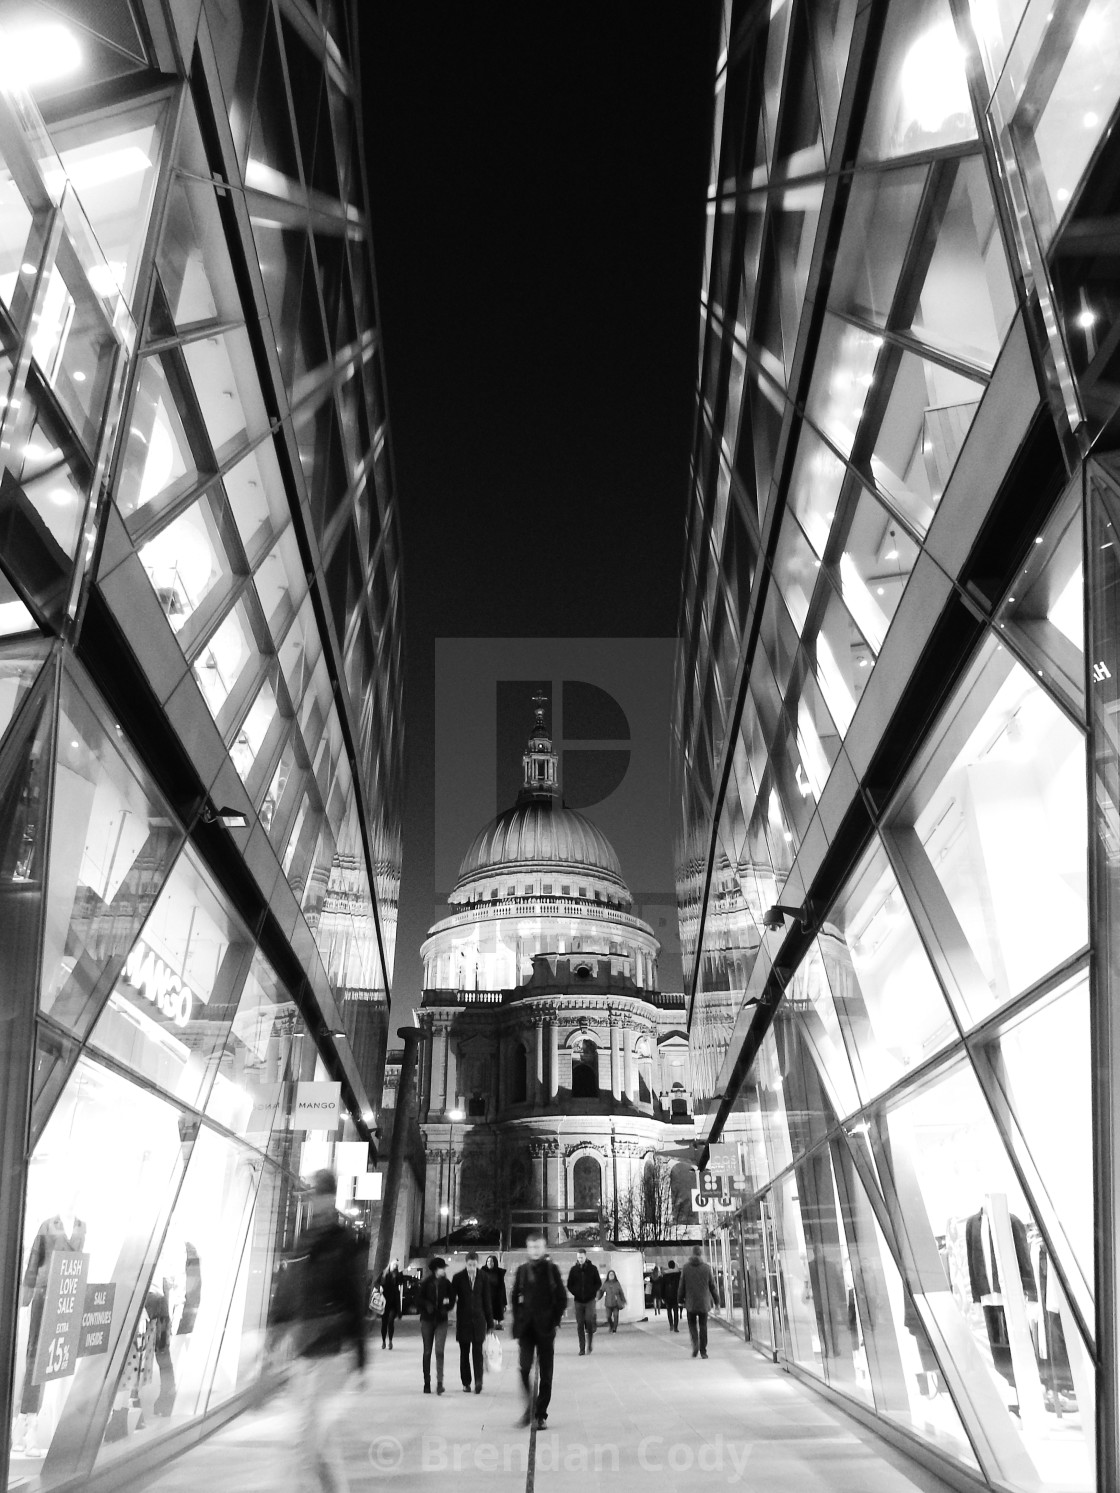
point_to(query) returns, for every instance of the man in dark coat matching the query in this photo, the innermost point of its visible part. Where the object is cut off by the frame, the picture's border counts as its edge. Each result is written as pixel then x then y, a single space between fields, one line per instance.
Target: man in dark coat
pixel 474 1318
pixel 670 1284
pixel 696 1292
pixel 538 1300
pixel 321 1299
pixel 584 1285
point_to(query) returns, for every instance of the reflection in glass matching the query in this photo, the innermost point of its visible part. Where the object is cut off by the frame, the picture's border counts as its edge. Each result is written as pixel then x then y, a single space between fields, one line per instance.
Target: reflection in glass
pixel 879 220
pixel 928 416
pixel 170 1011
pixel 254 728
pixel 888 1000
pixel 227 388
pixel 1003 824
pixel 193 260
pixel 843 374
pixel 158 452
pixel 112 844
pixel 920 96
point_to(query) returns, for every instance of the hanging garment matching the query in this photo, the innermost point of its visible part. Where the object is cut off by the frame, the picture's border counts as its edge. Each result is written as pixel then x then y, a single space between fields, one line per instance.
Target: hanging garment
pixel 50 1238
pixel 984 1282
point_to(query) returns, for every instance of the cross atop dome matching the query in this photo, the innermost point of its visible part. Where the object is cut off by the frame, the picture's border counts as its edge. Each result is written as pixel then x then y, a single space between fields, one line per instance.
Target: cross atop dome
pixel 539 761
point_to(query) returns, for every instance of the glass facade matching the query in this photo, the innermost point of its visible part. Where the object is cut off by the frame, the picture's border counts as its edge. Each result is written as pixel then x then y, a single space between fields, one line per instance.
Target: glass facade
pixel 894 720
pixel 201 666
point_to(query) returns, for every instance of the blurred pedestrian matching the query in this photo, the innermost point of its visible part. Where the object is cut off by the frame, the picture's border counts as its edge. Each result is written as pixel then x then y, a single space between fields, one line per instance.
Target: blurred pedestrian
pixel 434 1300
pixel 584 1285
pixel 321 1302
pixel 474 1318
pixel 614 1299
pixel 670 1282
pixel 496 1275
pixel 538 1300
pixel 696 1292
pixel 655 1289
pixel 391 1283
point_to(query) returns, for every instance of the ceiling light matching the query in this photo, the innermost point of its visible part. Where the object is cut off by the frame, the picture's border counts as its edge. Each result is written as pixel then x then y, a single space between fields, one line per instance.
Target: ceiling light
pixel 892 554
pixel 1091 120
pixel 34 55
pixel 1085 320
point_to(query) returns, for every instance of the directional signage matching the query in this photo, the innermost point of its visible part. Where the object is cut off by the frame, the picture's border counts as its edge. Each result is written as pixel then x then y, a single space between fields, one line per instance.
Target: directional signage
pixel 718 1202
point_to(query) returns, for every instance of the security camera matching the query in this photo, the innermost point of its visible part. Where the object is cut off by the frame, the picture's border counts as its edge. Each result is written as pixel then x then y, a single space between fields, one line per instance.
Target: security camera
pixel 773 918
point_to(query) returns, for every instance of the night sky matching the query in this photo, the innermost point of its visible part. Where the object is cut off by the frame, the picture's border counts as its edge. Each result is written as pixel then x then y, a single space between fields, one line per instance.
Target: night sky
pixel 537 178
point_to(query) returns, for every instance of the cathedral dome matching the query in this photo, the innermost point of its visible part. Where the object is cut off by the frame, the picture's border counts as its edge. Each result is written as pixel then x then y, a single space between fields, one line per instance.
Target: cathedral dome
pixel 540 830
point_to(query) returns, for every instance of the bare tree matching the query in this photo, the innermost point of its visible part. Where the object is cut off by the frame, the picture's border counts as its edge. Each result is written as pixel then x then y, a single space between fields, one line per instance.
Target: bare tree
pixel 647 1209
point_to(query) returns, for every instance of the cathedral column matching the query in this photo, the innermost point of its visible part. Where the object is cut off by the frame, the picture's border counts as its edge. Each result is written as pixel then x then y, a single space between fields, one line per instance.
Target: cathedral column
pixel 552 1183
pixel 616 1073
pixel 452 1072
pixel 627 1062
pixel 497 1078
pixel 438 1095
pixel 553 1061
pixel 538 1043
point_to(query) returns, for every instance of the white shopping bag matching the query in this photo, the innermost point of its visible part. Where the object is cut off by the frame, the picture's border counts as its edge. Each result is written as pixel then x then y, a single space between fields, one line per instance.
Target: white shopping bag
pixel 492 1353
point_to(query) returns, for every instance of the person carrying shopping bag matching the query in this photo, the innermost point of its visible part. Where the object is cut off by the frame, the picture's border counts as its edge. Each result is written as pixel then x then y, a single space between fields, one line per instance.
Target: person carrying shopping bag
pixel 613 1298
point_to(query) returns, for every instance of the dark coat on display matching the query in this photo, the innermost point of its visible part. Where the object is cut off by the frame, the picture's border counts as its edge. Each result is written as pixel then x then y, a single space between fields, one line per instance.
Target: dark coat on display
pixel 538 1298
pixel 474 1316
pixel 584 1281
pixel 697 1289
pixel 321 1293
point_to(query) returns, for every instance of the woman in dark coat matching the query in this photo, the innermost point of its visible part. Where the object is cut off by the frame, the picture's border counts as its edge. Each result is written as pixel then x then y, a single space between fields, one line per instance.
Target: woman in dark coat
pixel 390 1284
pixel 497 1278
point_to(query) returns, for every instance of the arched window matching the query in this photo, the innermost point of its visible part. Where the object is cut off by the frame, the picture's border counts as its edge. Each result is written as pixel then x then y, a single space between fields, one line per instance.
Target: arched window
pixel 587 1188
pixel 519 1074
pixel 585 1070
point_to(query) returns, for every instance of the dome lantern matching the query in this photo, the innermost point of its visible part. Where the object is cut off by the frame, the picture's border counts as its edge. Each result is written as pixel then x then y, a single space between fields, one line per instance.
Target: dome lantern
pixel 539 761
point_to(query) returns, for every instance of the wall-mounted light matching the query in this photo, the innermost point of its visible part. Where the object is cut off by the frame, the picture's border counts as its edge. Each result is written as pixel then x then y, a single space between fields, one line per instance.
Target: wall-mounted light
pixel 228 818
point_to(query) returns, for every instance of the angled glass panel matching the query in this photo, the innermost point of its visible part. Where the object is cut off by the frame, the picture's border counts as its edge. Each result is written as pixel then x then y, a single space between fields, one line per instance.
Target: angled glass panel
pixel 18 254
pixel 878 223
pixel 920 97
pixel 795 570
pixel 111 164
pixel 193 257
pixel 1079 104
pixel 271 142
pixel 72 340
pixel 814 489
pixel 225 658
pixel 281 582
pixel 960 1186
pixel 253 730
pixel 1048 1050
pixel 966 303
pixel 262 1054
pixel 772 1106
pixel 170 1011
pixel 907 1380
pixel 101 1184
pixel 279 802
pixel 875 563
pixel 186 563
pixel 158 453
pixel 257 498
pixel 928 416
pixel 843 374
pixel 113 841
pixel 777 36
pixel 52 478
pixel 1001 813
pixel 831 26
pixel 226 386
pixel 800 146
pixel 1044 613
pixel 887 997
pixel 299 650
pixel 810 995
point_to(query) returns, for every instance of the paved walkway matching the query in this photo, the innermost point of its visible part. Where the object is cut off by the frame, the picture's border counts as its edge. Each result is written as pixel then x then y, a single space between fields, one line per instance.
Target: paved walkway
pixel 639 1413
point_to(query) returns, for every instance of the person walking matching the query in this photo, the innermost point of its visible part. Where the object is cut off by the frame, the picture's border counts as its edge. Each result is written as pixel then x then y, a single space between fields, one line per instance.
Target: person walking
pixel 321 1301
pixel 697 1290
pixel 614 1299
pixel 584 1285
pixel 474 1318
pixel 670 1283
pixel 434 1300
pixel 538 1301
pixel 498 1299
pixel 391 1285
pixel 655 1289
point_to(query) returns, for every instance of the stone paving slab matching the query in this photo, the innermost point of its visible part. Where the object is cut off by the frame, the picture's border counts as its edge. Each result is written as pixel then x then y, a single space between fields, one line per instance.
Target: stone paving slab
pixel 637 1413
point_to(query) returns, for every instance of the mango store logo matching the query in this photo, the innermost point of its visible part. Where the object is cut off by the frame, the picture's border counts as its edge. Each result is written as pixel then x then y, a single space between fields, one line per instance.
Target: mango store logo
pixel 157 982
